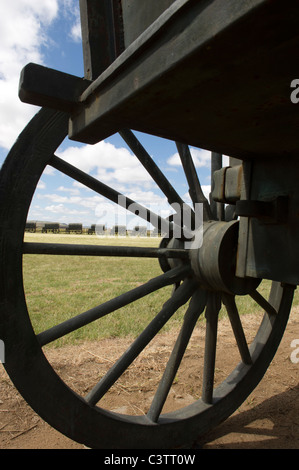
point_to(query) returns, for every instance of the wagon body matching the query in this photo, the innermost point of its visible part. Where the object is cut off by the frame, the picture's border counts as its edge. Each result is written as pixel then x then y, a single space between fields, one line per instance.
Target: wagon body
pixel 211 64
pixel 76 228
pixel 215 74
pixel 51 227
pixel 30 227
pixel 200 66
pixel 91 230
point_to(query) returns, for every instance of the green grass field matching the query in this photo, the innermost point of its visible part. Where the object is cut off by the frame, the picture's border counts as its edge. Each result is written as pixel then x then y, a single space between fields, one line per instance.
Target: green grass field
pixel 60 287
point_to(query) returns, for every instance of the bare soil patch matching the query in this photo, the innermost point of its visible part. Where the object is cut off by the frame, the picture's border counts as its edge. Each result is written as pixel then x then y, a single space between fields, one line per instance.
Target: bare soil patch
pixel 268 419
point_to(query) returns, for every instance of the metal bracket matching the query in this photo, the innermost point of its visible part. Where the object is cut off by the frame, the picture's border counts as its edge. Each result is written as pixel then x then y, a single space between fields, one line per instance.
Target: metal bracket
pixel 228 184
pixel 271 212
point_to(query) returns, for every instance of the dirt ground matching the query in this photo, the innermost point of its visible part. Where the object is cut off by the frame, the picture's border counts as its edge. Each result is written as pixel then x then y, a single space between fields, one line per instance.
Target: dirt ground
pixel 268 419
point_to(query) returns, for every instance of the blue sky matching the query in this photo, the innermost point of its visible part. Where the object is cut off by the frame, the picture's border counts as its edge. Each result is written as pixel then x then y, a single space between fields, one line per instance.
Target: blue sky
pixel 48 32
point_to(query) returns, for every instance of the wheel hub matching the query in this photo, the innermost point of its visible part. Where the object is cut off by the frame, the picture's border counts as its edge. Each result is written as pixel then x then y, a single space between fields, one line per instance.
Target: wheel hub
pixel 213 259
pixel 213 256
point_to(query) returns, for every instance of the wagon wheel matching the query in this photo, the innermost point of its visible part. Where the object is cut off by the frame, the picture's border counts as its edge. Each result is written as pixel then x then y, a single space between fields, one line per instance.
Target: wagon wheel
pixel 82 418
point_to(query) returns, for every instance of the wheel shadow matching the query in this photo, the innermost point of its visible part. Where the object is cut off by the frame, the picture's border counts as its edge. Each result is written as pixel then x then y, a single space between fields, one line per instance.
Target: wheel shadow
pixel 273 424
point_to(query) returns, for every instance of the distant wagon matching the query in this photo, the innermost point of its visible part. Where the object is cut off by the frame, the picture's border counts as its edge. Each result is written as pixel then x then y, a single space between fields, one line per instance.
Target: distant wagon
pixel 91 230
pixel 30 227
pixel 48 228
pixel 74 228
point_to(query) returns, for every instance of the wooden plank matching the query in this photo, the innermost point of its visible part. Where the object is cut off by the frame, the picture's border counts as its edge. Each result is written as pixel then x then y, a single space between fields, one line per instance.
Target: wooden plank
pixel 101 35
pixel 50 88
pixel 138 15
pixel 209 73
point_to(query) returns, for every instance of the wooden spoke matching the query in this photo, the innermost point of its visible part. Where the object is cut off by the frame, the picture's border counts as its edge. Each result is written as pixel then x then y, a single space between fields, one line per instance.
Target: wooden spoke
pixel 212 311
pixel 98 250
pixel 233 314
pixel 151 167
pixel 195 189
pixel 137 209
pixel 160 179
pixel 168 278
pixel 196 307
pixel 179 298
pixel 255 295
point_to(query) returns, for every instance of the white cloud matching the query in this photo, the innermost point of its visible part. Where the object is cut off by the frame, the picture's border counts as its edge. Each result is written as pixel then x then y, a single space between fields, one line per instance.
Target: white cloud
pixel 76 32
pixel 107 162
pixel 90 203
pixel 76 184
pixel 120 169
pixel 206 189
pixel 22 25
pixel 71 12
pixel 60 209
pixel 49 171
pixel 96 209
pixel 201 158
pixel 41 185
pixel 72 191
pixel 57 198
pixel 22 34
pixel 147 198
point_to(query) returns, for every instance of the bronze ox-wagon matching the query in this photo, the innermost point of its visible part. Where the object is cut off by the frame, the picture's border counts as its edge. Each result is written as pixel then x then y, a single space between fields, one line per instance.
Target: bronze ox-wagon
pixel 220 75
